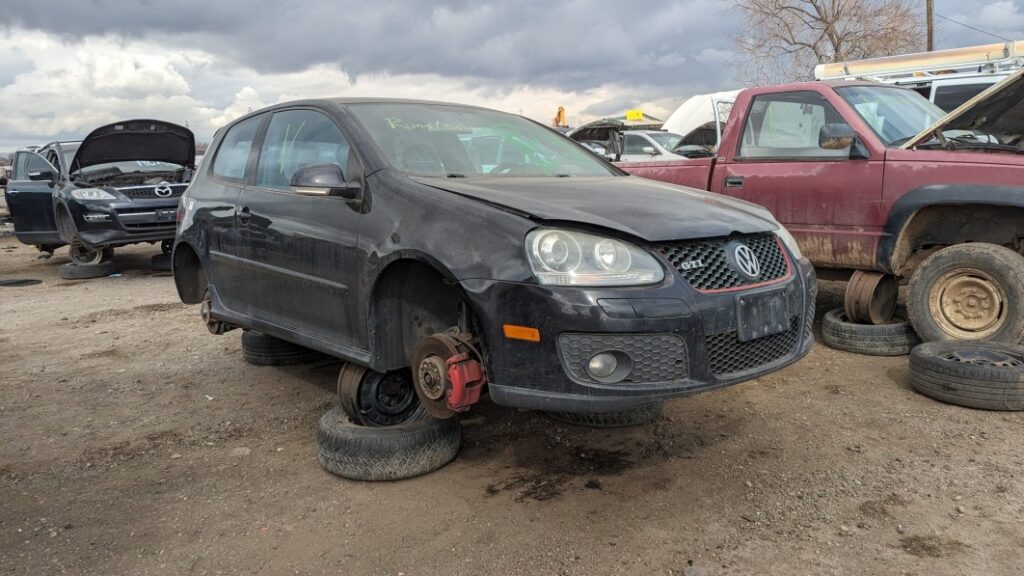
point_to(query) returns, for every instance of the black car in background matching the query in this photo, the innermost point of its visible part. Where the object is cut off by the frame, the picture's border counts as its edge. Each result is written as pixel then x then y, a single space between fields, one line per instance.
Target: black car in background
pixel 120 185
pixel 437 248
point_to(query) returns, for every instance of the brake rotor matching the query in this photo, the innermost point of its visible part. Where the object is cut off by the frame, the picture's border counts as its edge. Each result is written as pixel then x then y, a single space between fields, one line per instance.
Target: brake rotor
pixel 430 372
pixel 871 297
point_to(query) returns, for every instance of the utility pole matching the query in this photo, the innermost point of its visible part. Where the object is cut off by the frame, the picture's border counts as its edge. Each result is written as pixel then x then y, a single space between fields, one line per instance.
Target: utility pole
pixel 931 25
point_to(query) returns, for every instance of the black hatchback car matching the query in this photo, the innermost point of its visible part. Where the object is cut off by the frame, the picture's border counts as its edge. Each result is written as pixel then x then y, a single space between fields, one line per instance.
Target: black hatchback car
pixel 118 186
pixel 440 248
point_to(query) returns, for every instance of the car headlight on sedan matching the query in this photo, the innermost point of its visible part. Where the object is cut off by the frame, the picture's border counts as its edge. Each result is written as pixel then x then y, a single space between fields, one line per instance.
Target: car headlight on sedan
pixel 92 194
pixel 789 241
pixel 569 258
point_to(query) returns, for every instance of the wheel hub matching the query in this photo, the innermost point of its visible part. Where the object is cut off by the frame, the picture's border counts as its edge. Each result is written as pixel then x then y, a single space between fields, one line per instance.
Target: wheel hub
pixel 968 304
pixel 430 362
pixel 432 379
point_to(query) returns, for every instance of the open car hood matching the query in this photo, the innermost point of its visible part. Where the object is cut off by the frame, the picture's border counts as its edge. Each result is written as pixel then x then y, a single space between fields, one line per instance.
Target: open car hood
pixel 129 140
pixel 998 111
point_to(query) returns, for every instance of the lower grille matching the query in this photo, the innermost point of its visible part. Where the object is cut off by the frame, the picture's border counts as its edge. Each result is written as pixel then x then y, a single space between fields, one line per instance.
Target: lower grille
pixel 727 355
pixel 656 357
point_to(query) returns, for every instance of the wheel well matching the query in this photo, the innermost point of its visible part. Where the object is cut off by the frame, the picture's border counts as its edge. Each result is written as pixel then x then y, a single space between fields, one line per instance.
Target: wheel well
pixel 189 276
pixel 411 300
pixel 938 226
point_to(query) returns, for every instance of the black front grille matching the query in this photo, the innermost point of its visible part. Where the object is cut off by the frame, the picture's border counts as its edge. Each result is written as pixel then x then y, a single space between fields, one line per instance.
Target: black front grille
pixel 706 266
pixel 149 192
pixel 656 358
pixel 727 355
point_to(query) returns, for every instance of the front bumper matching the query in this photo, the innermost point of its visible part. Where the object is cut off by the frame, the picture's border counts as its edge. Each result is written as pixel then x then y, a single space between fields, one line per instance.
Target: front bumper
pixel 682 341
pixel 127 222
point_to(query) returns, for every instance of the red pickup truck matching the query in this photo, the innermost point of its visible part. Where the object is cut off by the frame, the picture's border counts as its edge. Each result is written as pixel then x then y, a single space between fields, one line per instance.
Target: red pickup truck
pixel 874 180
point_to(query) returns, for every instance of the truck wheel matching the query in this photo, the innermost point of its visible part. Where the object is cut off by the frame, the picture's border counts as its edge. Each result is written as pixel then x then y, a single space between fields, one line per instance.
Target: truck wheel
pixel 371 398
pixel 894 339
pixel 985 375
pixel 392 453
pixel 644 414
pixel 969 292
pixel 262 350
pixel 73 271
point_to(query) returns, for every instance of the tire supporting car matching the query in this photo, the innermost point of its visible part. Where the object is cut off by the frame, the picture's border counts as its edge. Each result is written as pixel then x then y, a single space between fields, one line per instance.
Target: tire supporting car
pixel 262 350
pixel 969 291
pixel 72 271
pixel 986 375
pixel 160 263
pixel 897 338
pixel 391 453
pixel 376 399
pixel 637 416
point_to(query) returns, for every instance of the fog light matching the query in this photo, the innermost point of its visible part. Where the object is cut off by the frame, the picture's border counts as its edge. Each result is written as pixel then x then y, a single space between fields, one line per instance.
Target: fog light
pixel 96 217
pixel 602 365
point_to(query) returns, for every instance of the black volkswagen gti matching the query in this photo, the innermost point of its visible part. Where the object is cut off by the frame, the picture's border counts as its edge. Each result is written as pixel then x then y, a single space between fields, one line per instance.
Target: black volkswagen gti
pixel 118 186
pixel 439 249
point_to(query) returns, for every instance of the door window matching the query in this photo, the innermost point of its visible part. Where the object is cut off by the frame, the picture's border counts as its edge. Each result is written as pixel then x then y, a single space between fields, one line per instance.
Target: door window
pixel 634 144
pixel 233 152
pixel 787 125
pixel 298 138
pixel 27 162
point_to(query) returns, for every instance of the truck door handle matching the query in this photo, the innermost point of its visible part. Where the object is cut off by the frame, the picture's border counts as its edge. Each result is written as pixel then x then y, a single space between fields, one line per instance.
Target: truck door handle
pixel 244 215
pixel 733 181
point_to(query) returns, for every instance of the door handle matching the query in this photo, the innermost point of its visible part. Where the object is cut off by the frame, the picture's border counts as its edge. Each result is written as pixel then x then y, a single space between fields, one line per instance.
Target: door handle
pixel 733 181
pixel 244 215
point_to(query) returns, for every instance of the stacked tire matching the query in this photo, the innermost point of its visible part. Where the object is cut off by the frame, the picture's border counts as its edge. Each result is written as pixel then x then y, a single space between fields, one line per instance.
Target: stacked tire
pixel 984 375
pixel 896 338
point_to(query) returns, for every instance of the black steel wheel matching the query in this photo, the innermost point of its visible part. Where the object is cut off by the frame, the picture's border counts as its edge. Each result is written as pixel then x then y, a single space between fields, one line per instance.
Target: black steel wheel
pixel 167 246
pixel 987 375
pixel 379 399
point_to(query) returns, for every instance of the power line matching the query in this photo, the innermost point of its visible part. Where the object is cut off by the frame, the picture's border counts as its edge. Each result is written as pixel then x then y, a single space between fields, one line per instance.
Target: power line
pixel 1003 38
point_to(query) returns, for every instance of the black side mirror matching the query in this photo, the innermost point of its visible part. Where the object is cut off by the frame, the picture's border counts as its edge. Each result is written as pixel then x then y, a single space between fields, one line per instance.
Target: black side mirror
pixel 323 180
pixel 41 175
pixel 836 137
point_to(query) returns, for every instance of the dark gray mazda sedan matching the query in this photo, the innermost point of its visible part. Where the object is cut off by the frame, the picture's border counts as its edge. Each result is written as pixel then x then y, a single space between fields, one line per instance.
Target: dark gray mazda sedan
pixel 445 250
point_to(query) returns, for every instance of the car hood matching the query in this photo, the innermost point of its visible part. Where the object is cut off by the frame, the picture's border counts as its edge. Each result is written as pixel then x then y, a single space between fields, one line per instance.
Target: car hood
pixel 129 140
pixel 999 111
pixel 643 208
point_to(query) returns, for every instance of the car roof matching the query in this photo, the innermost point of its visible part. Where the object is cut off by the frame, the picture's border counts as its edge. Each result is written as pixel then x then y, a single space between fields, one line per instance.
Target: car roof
pixel 342 102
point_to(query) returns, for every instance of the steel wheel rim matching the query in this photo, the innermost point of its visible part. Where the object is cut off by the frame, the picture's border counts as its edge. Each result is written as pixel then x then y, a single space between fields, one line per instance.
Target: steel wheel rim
pixel 387 399
pixel 968 304
pixel 84 257
pixel 987 358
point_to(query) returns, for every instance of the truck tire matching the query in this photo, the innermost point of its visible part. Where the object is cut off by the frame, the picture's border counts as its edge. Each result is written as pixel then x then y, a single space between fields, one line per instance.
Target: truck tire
pixel 160 263
pixel 72 271
pixel 643 414
pixel 969 292
pixel 894 339
pixel 392 453
pixel 262 350
pixel 987 375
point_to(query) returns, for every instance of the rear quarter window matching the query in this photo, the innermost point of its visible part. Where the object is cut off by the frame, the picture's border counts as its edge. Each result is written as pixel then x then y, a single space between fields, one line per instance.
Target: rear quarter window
pixel 233 153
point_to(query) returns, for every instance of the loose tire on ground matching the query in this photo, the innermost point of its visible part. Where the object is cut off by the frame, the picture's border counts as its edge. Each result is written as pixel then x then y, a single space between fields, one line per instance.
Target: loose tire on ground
pixel 985 375
pixel 638 416
pixel 969 292
pixel 161 262
pixel 72 271
pixel 393 453
pixel 894 339
pixel 262 350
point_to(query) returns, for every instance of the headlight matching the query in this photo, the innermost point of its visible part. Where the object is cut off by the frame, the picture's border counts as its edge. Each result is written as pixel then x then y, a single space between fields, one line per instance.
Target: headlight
pixel 92 194
pixel 789 241
pixel 566 258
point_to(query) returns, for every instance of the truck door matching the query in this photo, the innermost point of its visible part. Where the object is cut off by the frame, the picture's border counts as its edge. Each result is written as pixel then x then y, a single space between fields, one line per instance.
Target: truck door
pixel 30 199
pixel 829 199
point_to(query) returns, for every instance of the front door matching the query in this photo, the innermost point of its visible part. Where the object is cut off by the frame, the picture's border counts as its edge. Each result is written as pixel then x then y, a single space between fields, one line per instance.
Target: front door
pixel 30 199
pixel 303 249
pixel 829 199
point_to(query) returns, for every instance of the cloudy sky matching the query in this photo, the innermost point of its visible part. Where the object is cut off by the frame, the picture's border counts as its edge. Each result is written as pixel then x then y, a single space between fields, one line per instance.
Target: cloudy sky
pixel 67 66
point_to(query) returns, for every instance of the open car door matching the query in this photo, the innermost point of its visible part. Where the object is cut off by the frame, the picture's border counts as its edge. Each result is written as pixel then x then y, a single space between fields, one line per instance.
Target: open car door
pixel 30 199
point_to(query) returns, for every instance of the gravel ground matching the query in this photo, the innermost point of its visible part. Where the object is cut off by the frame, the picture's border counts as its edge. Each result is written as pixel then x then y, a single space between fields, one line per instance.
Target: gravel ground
pixel 134 442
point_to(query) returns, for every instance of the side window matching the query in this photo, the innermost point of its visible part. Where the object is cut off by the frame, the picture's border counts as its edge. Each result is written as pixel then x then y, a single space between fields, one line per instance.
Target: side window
pixel 634 144
pixel 233 152
pixel 787 125
pixel 298 138
pixel 950 98
pixel 26 163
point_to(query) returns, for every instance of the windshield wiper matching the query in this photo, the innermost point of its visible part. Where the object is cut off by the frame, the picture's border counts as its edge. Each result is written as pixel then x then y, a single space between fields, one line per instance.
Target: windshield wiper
pixel 455 175
pixel 969 143
pixel 563 175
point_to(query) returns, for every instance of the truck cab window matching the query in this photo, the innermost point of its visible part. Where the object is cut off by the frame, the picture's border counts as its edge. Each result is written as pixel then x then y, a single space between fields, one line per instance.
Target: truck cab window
pixel 787 125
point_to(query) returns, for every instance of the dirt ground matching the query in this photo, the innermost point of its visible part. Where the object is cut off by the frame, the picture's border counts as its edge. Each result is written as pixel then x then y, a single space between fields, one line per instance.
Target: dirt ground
pixel 134 442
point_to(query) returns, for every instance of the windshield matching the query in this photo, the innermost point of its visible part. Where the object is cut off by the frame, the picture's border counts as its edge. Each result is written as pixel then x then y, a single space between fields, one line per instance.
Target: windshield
pixel 666 140
pixel 894 114
pixel 453 141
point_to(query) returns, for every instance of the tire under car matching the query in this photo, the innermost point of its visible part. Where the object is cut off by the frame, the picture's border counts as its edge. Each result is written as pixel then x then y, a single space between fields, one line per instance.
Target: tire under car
pixel 896 338
pixel 638 416
pixel 262 350
pixel 390 453
pixel 72 271
pixel 984 375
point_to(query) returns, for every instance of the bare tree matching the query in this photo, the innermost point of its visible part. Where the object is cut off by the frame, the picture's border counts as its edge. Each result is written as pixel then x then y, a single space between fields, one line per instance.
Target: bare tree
pixel 782 40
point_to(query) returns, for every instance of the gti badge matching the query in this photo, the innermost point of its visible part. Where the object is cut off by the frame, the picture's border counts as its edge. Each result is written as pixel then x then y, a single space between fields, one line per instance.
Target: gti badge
pixel 746 261
pixel 163 190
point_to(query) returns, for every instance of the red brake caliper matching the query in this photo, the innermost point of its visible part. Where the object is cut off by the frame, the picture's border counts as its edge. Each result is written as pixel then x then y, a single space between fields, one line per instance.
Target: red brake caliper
pixel 467 379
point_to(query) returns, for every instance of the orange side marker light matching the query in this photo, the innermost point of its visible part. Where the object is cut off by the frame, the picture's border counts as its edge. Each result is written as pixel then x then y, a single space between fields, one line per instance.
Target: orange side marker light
pixel 513 332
